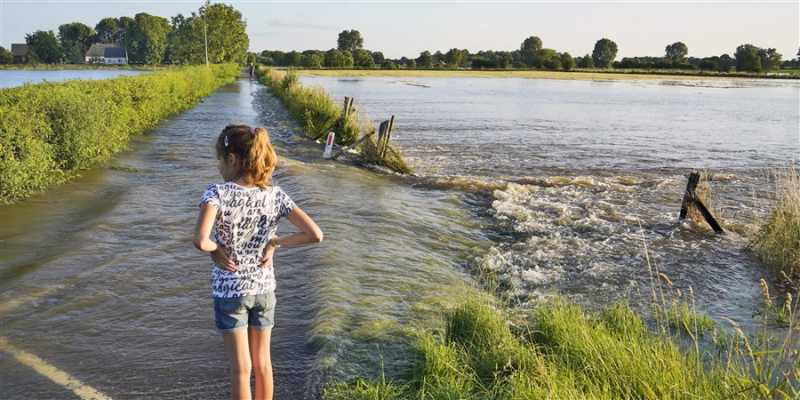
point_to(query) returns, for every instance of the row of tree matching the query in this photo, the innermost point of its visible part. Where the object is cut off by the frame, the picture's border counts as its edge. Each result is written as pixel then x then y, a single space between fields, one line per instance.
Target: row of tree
pixel 532 54
pixel 148 39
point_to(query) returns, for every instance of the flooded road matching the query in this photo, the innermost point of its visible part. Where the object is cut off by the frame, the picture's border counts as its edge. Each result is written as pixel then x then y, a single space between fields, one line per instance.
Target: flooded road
pixel 101 281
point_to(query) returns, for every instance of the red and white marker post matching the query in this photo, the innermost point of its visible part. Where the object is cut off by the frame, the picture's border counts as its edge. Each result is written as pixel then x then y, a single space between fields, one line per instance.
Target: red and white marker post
pixel 328 146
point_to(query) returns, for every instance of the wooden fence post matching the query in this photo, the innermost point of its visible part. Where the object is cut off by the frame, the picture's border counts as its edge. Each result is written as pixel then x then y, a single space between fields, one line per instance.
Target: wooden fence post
pixel 690 200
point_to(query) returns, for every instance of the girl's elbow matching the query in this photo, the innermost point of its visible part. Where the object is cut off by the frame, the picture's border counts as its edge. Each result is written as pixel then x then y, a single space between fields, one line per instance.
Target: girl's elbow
pixel 198 243
pixel 318 236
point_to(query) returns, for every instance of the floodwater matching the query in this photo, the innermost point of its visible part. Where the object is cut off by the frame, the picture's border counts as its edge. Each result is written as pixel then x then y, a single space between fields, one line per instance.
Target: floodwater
pixel 548 186
pixel 18 77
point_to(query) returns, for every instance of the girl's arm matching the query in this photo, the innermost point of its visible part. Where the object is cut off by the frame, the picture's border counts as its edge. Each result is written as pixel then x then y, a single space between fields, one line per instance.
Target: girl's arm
pixel 203 242
pixel 309 233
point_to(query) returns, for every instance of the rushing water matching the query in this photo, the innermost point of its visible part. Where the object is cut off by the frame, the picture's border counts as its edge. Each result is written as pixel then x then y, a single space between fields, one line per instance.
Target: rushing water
pixel 544 184
pixel 19 77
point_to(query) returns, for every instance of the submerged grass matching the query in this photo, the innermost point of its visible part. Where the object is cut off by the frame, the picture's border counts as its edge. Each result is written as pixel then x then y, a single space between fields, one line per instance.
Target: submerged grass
pixel 316 112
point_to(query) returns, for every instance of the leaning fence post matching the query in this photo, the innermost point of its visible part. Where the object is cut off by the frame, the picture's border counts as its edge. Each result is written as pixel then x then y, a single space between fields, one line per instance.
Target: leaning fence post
pixel 690 200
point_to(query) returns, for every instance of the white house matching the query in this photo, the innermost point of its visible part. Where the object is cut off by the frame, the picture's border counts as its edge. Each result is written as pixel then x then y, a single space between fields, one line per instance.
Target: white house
pixel 105 53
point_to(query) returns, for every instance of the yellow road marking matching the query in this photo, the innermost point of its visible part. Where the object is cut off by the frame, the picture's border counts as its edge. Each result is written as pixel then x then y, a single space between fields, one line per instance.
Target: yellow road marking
pixel 54 374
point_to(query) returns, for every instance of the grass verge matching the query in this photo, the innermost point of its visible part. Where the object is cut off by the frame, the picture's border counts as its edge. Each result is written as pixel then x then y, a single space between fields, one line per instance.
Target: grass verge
pixel 50 130
pixel 317 113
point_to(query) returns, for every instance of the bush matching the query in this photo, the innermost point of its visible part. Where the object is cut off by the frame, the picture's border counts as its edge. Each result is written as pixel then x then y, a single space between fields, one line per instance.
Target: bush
pixel 49 130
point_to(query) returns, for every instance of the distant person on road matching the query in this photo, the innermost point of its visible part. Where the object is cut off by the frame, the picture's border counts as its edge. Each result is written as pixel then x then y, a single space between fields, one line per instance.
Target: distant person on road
pixel 243 213
pixel 252 69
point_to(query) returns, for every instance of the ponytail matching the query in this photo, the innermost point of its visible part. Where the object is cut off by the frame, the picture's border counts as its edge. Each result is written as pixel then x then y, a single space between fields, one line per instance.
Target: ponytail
pixel 254 148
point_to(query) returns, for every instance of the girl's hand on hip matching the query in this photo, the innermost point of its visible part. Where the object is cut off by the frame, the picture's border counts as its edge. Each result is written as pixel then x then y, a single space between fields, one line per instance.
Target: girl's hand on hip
pixel 266 261
pixel 220 257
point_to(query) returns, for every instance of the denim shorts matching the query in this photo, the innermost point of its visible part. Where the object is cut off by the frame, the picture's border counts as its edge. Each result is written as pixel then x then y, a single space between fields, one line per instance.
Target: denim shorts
pixel 256 311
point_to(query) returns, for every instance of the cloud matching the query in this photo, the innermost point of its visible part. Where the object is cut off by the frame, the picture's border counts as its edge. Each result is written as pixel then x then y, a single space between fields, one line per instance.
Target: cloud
pixel 282 23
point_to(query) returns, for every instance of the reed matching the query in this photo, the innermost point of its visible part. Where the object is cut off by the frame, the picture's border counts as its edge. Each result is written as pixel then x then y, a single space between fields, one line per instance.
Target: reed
pixel 316 112
pixel 49 131
pixel 777 241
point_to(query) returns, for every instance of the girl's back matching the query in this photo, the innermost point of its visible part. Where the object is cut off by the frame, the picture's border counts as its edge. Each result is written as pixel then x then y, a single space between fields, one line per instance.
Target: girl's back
pixel 247 218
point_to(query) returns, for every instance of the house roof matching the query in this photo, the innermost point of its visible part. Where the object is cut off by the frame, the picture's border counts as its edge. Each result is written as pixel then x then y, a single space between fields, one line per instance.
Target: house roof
pixel 99 49
pixel 115 52
pixel 19 49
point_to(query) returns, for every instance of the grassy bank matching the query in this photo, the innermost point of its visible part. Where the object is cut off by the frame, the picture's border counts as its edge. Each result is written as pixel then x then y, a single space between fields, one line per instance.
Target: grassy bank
pixel 317 113
pixel 50 130
pixel 572 75
pixel 777 242
pixel 560 351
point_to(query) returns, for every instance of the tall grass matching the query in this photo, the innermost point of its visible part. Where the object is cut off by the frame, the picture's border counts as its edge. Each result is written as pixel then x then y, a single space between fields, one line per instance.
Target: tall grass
pixel 317 113
pixel 563 352
pixel 777 241
pixel 50 130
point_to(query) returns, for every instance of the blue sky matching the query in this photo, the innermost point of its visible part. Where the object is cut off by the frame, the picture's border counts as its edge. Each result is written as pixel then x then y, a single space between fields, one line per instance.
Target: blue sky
pixel 406 28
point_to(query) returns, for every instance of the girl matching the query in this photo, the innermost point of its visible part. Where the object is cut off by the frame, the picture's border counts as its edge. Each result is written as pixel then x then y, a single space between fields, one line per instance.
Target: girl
pixel 243 213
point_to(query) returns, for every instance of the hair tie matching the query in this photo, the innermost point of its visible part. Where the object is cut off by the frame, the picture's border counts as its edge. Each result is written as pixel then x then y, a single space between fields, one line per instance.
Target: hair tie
pixel 252 131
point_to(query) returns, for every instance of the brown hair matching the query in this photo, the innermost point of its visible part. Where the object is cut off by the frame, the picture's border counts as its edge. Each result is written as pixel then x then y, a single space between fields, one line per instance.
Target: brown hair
pixel 253 146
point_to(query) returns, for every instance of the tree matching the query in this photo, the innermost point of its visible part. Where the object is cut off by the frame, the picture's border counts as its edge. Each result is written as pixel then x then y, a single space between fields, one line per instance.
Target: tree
pixel 146 39
pixel 747 58
pixel 677 52
pixel 529 48
pixel 453 58
pixel 363 59
pixel 75 40
pixel 388 64
pixel 605 51
pixel 378 58
pixel 312 61
pixel 350 40
pixel 293 59
pixel 567 62
pixel 44 47
pixel 227 37
pixel 6 57
pixel 586 62
pixel 770 59
pixel 335 59
pixel 108 31
pixel 547 59
pixel 412 64
pixel 425 60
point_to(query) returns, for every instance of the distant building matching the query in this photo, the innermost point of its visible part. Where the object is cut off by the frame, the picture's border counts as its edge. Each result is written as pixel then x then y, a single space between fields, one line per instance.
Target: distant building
pixel 105 53
pixel 20 51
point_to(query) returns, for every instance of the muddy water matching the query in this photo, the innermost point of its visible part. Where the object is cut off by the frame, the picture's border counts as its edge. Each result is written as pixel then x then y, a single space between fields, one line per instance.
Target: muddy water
pixel 100 280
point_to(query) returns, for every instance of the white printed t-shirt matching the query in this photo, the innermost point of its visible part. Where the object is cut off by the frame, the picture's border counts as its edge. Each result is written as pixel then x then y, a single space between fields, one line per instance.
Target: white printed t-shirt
pixel 246 220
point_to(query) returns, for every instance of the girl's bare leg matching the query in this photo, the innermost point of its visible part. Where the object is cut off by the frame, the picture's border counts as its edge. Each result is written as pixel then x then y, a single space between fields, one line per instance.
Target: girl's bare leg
pixel 236 343
pixel 262 363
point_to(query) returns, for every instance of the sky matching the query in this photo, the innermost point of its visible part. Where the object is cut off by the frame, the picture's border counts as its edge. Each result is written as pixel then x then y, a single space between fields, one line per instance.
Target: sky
pixel 407 27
